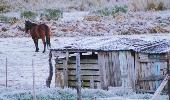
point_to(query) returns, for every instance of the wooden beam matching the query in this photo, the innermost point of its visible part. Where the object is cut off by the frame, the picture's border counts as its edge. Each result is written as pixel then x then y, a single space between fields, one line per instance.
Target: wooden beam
pixel 168 72
pixel 66 70
pixel 92 82
pixel 151 60
pixel 83 67
pixel 59 75
pixel 6 73
pixel 152 78
pixel 78 76
pixel 160 88
pixel 137 70
pixel 102 70
pixel 48 81
pixel 85 78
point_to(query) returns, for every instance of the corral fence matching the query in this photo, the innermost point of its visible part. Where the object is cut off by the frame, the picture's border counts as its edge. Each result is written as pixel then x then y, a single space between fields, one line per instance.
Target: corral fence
pixel 19 76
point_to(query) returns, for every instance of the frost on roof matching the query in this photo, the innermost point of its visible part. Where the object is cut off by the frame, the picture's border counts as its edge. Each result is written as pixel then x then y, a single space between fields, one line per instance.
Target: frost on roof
pixel 111 43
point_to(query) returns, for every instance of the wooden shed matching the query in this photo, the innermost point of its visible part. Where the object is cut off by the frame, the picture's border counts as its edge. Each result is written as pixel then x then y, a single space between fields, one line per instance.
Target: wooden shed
pixel 135 62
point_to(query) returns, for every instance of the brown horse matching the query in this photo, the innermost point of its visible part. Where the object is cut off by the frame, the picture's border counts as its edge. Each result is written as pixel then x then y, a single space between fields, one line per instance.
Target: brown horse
pixel 41 31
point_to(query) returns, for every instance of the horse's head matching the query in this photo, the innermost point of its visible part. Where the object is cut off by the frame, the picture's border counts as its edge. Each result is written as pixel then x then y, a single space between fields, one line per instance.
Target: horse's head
pixel 28 26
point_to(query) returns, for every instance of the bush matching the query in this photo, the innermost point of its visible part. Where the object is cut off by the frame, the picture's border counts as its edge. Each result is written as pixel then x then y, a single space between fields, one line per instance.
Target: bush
pixel 6 19
pixel 105 12
pixel 117 9
pixel 28 14
pixel 154 6
pixel 150 4
pixel 4 6
pixel 161 6
pixel 13 20
pixel 52 14
pixel 112 11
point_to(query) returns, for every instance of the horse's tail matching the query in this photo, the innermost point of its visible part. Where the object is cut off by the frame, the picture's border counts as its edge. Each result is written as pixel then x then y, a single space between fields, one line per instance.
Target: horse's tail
pixel 48 33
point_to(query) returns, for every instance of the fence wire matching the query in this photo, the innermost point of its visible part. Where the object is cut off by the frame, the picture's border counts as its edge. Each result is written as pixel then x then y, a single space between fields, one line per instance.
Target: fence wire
pixel 22 75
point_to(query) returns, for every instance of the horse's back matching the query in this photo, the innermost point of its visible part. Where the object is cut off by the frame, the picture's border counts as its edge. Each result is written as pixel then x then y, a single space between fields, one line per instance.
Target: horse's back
pixel 42 29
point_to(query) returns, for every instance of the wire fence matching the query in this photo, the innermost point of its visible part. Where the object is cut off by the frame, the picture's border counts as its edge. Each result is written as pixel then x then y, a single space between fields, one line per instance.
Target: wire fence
pixel 22 75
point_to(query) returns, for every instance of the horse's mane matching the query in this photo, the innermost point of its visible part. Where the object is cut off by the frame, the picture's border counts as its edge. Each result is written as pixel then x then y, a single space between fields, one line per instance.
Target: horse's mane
pixel 30 24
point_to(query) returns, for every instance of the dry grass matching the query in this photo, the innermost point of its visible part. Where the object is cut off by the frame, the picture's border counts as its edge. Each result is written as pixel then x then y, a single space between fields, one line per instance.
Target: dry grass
pixel 63 4
pixel 144 5
pixel 4 6
pixel 82 5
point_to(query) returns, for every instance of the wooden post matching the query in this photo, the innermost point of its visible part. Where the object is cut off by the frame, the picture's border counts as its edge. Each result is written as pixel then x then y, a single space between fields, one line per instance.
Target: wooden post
pixel 66 70
pixel 169 86
pixel 33 80
pixel 48 81
pixel 168 72
pixel 6 83
pixel 92 82
pixel 101 64
pixel 137 71
pixel 78 76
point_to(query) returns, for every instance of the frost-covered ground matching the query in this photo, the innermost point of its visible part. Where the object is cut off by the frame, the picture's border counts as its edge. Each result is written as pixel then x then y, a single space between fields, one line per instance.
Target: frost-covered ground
pixel 87 24
pixel 20 52
pixel 70 94
pixel 18 48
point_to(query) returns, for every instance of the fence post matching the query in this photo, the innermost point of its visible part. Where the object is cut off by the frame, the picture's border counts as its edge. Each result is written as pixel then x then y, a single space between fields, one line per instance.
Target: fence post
pixel 66 70
pixel 49 79
pixel 168 72
pixel 33 81
pixel 6 69
pixel 78 76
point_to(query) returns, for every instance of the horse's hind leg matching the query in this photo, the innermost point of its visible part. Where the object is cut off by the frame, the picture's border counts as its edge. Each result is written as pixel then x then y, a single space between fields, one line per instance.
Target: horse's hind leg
pixel 44 43
pixel 36 45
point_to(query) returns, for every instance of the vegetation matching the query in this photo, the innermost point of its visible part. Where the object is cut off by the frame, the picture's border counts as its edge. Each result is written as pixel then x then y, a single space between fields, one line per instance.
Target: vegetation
pixel 4 6
pixel 112 11
pixel 52 14
pixel 70 94
pixel 28 14
pixel 6 19
pixel 150 4
pixel 154 6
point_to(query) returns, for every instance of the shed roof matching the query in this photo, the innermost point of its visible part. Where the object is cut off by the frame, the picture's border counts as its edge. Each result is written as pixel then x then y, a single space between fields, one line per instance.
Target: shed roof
pixel 145 44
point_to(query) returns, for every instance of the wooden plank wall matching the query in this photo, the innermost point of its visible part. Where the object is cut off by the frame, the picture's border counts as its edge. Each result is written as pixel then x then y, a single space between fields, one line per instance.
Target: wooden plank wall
pixel 107 69
pixel 89 72
pixel 149 71
pixel 117 69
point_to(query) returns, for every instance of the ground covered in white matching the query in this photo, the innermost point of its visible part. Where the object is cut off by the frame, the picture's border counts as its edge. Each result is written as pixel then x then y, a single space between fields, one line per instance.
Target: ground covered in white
pixel 88 24
pixel 20 53
pixel 70 94
pixel 17 47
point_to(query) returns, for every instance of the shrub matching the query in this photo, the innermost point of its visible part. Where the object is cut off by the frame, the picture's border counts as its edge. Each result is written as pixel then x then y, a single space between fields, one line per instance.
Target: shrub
pixel 117 9
pixel 150 4
pixel 28 14
pixel 104 12
pixel 154 6
pixel 52 14
pixel 4 6
pixel 112 11
pixel 161 6
pixel 13 20
pixel 6 19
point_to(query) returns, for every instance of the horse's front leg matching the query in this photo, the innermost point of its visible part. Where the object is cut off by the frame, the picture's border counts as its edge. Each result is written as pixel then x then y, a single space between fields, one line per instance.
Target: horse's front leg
pixel 36 45
pixel 44 42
